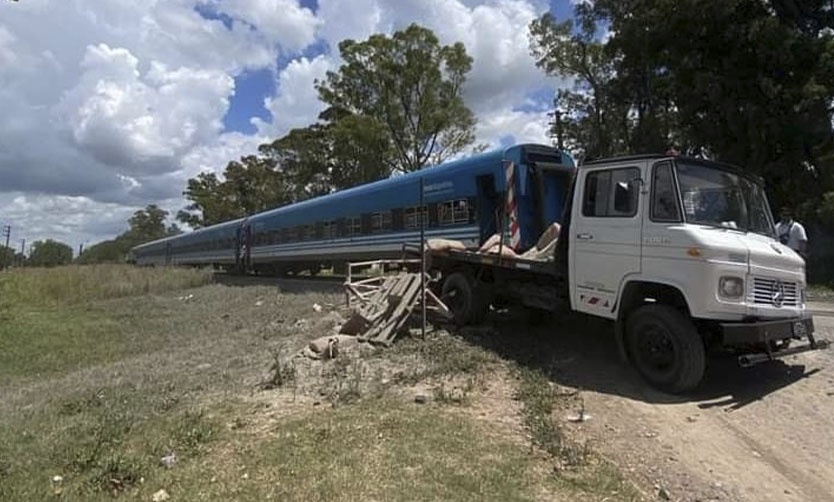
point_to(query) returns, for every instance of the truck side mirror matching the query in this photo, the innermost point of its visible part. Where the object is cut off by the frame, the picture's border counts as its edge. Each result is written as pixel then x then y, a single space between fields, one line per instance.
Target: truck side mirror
pixel 623 196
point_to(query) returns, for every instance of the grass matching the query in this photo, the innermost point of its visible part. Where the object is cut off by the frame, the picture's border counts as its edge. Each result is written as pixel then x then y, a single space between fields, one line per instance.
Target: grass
pixel 372 450
pixel 77 284
pixel 49 323
pixel 820 292
pixel 98 390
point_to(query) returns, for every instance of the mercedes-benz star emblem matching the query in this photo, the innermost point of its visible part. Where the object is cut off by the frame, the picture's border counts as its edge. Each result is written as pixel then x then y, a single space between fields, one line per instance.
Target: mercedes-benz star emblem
pixel 778 296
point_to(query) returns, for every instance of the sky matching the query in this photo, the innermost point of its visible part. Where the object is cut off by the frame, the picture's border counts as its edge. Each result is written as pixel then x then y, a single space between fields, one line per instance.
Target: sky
pixel 107 106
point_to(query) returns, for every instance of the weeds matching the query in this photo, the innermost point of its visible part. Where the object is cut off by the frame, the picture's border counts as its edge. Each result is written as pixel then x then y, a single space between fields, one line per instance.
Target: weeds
pixel 345 380
pixel 76 284
pixel 443 355
pixel 538 401
pixel 282 372
pixel 191 431
pixel 117 473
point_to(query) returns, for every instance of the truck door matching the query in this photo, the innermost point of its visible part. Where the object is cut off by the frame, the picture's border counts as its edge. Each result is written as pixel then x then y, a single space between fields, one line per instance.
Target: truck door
pixel 605 236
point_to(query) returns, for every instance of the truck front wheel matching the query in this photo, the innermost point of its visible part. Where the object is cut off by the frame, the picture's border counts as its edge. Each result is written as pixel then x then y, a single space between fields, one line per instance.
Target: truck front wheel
pixel 468 305
pixel 665 348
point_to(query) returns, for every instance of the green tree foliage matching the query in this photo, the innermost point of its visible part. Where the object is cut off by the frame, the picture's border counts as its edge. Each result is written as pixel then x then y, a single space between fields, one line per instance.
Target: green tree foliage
pixel 149 224
pixel 749 82
pixel 50 253
pixel 144 226
pixel 610 109
pixel 7 256
pixel 109 251
pixel 252 184
pixel 406 90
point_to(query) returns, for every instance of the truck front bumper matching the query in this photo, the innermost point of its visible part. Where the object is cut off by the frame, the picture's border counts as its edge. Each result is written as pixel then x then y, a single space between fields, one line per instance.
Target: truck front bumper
pixel 766 338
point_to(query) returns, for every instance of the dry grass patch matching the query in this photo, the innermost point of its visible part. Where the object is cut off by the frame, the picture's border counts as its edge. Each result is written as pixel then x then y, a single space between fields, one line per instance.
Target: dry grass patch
pixel 372 450
pixel 76 284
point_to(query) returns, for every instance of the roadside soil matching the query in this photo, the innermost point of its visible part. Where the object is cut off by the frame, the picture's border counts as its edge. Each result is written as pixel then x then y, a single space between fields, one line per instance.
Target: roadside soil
pixel 757 434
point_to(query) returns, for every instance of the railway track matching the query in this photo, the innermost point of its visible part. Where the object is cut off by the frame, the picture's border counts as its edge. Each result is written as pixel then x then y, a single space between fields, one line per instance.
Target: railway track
pixel 290 284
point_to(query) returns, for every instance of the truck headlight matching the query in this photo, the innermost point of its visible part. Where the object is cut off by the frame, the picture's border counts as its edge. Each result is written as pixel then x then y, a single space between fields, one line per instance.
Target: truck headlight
pixel 731 287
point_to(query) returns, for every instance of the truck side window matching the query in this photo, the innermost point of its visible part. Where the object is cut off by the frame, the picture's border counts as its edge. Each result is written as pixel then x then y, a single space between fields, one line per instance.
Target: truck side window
pixel 611 193
pixel 664 198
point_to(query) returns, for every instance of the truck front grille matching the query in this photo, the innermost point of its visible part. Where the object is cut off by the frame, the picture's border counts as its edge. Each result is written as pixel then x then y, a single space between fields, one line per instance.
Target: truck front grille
pixel 775 293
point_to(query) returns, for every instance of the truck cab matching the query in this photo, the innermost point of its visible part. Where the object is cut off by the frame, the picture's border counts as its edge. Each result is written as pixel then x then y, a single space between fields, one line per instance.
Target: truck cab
pixel 681 253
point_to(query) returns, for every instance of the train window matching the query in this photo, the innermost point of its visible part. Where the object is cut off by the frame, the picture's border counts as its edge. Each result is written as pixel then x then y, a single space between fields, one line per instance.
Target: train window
pixel 453 212
pixel 353 225
pixel 414 217
pixel 381 222
pixel 328 229
pixel 309 232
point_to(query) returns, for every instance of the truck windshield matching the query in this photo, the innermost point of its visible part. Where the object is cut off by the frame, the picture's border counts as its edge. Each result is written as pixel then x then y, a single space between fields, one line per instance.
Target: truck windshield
pixel 721 198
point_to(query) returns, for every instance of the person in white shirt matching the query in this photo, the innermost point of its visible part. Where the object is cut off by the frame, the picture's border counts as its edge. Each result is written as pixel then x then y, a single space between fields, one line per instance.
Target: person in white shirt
pixel 791 233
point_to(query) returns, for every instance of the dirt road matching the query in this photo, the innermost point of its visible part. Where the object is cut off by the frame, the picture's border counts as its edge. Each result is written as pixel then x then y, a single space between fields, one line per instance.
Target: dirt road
pixel 758 434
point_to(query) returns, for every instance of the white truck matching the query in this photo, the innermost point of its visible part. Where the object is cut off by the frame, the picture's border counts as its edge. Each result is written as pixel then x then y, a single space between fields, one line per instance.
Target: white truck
pixel 679 252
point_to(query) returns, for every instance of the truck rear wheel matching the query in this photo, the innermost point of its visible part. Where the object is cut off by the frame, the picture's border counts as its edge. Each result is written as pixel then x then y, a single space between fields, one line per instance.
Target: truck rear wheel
pixel 665 348
pixel 469 305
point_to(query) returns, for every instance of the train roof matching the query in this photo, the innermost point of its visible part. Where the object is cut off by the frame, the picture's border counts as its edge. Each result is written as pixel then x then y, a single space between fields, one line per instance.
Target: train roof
pixel 196 232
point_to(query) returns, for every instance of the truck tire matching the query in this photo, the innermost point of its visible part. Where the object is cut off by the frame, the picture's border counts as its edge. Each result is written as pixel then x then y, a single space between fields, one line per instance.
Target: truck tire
pixel 665 348
pixel 469 305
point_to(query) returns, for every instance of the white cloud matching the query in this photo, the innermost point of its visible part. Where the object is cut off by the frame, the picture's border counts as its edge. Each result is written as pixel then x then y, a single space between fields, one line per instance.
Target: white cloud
pixel 296 102
pixel 72 220
pixel 143 123
pixel 524 127
pixel 283 22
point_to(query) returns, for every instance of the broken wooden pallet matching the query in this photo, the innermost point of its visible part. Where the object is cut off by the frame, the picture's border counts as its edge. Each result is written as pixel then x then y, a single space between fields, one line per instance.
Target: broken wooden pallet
pixel 384 310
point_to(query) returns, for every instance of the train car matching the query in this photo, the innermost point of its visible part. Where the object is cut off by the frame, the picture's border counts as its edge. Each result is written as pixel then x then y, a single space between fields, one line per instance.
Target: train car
pixel 462 200
pixel 214 245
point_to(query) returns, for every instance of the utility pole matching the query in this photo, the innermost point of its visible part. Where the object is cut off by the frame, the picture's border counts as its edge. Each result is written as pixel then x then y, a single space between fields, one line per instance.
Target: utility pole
pixel 7 231
pixel 22 252
pixel 80 248
pixel 556 124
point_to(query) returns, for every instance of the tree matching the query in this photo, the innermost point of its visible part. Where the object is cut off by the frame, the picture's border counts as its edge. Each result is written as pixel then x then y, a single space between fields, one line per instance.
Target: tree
pixel 149 224
pixel 6 256
pixel 109 251
pixel 611 108
pixel 750 82
pixel 50 253
pixel 405 90
pixel 144 226
pixel 250 185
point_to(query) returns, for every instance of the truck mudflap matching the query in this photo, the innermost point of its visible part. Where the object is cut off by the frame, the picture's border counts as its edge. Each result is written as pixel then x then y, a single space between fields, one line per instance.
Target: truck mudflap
pixel 771 335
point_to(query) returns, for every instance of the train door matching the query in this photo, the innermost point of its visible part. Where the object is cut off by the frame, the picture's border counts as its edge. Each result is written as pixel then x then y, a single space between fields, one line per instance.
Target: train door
pixel 243 247
pixel 167 253
pixel 551 185
pixel 488 207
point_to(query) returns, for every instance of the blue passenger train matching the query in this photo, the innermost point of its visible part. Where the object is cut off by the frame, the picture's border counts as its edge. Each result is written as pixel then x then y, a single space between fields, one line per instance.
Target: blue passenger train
pixel 463 200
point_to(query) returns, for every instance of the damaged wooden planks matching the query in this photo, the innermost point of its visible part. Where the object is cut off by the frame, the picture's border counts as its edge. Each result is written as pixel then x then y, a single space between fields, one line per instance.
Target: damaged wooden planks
pixel 383 312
